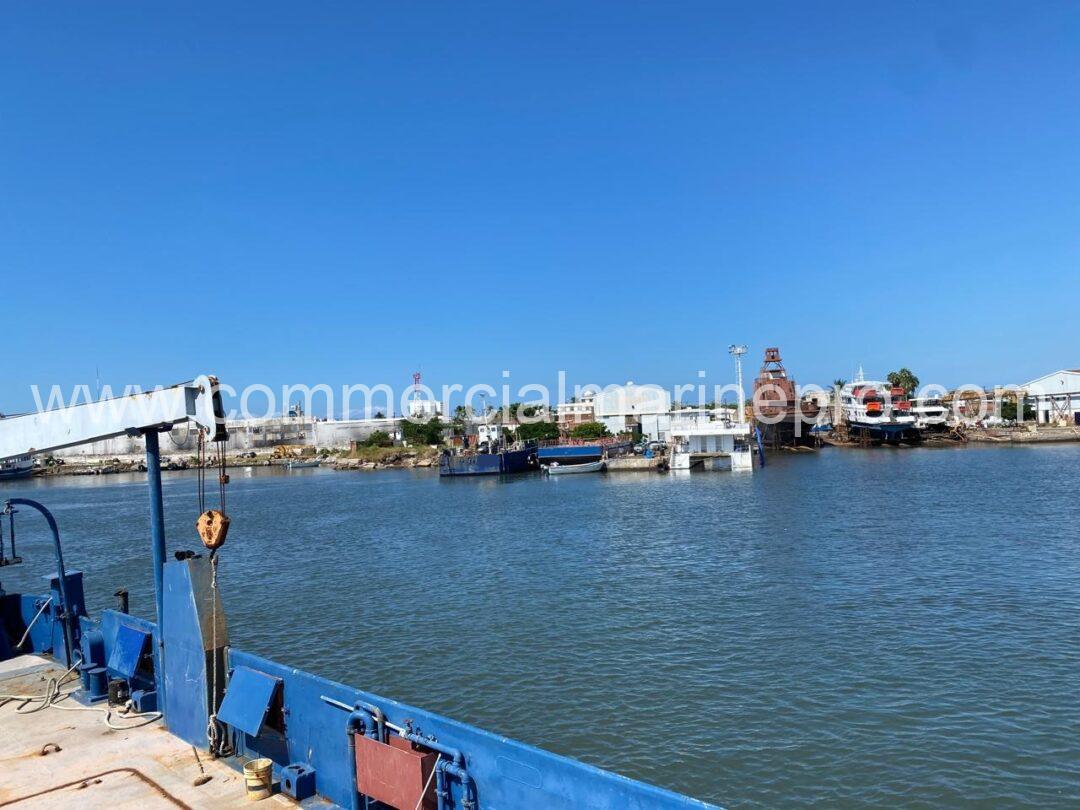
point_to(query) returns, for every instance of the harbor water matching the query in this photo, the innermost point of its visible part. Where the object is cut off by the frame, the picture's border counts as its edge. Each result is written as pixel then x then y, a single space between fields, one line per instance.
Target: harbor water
pixel 886 627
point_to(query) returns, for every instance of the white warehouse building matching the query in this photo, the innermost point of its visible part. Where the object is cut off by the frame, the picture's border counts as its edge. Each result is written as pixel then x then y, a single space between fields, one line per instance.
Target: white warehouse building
pixel 1056 397
pixel 624 407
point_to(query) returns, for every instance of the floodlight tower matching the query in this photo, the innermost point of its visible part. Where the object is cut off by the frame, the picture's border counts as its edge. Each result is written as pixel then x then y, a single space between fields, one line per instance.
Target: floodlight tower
pixel 737 351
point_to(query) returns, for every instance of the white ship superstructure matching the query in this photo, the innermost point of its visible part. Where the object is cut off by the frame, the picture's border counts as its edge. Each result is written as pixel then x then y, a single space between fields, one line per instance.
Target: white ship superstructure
pixel 876 409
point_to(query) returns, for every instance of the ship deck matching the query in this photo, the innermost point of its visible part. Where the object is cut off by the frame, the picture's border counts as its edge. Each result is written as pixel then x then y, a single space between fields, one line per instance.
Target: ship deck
pixel 58 758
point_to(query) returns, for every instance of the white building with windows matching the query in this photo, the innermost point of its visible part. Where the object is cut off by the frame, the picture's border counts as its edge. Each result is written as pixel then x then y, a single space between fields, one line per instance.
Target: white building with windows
pixel 625 407
pixel 1056 397
pixel 575 412
pixel 424 409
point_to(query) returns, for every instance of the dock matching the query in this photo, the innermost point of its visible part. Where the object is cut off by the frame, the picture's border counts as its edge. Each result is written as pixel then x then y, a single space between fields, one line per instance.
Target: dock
pixel 636 464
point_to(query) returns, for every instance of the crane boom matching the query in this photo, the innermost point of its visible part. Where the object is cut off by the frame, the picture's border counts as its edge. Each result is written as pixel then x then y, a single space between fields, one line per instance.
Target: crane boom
pixel 197 401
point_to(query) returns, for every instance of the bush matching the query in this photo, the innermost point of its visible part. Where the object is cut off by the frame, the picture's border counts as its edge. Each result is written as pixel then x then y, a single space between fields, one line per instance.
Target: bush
pixel 429 432
pixel 378 438
pixel 590 430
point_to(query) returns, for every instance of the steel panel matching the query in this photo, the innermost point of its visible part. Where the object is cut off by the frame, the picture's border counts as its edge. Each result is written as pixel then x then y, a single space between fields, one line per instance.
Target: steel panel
pixel 247 700
pixel 127 651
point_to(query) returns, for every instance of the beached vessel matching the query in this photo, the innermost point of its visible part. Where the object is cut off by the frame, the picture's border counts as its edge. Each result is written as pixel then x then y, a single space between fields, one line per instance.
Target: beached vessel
pixel 930 414
pixel 876 411
pixel 783 418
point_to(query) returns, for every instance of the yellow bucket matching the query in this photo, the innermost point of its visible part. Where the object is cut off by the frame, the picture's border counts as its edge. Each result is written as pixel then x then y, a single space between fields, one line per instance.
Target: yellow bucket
pixel 259 778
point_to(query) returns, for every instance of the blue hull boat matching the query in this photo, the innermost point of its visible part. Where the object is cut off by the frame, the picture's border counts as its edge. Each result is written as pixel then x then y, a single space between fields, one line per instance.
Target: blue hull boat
pixel 885 432
pixel 505 462
pixel 20 467
pixel 570 454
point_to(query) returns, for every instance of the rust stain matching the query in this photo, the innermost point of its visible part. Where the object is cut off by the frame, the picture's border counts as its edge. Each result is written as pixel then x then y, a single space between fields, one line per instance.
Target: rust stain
pixel 85 781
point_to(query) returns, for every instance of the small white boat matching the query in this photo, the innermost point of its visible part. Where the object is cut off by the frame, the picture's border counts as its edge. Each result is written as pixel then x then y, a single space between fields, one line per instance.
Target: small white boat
pixel 301 465
pixel 556 468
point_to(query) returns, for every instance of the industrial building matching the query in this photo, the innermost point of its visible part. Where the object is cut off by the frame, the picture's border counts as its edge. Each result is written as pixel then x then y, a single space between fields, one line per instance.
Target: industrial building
pixel 1056 397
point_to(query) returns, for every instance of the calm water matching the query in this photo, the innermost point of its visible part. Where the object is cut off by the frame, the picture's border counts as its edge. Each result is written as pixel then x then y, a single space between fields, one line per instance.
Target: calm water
pixel 873 627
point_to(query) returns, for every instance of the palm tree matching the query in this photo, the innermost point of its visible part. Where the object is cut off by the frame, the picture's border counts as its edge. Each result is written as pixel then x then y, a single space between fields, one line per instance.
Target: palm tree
pixel 903 379
pixel 839 382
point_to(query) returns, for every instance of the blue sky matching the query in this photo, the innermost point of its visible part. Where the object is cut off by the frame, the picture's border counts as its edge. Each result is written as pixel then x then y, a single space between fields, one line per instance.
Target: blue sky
pixel 344 193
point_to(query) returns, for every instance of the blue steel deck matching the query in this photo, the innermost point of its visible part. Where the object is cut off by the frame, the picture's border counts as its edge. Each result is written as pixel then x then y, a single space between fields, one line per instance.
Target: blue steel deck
pixel 507 774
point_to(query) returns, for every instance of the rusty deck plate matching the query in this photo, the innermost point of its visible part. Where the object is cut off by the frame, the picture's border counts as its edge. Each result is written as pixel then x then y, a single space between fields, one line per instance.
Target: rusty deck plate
pixel 96 766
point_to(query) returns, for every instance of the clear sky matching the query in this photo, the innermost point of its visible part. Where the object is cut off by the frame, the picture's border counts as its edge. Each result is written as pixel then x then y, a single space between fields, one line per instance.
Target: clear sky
pixel 314 192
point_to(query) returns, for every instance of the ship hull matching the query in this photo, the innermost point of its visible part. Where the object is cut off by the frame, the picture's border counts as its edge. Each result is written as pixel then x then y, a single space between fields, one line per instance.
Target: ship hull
pixel 570 454
pixel 884 431
pixel 790 431
pixel 507 462
pixel 14 472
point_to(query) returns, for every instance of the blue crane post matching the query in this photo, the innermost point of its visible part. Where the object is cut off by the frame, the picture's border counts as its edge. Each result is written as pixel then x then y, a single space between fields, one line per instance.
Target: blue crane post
pixel 157 536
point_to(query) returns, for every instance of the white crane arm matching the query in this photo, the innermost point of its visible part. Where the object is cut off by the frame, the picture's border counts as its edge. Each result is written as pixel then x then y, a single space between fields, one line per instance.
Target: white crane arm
pixel 198 401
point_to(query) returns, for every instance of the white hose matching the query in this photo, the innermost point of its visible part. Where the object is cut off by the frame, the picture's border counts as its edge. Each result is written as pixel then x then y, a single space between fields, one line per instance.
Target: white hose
pixel 30 626
pixel 53 695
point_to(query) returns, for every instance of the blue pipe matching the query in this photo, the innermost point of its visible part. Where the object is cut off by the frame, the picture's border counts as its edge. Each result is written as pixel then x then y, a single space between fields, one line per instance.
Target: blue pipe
pixel 440 784
pixel 357 723
pixel 379 718
pixel 157 536
pixel 66 616
pixel 455 767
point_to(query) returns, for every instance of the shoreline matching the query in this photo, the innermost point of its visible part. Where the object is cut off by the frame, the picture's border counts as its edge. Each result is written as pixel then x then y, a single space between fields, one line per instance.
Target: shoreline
pixel 379 458
pixel 408 458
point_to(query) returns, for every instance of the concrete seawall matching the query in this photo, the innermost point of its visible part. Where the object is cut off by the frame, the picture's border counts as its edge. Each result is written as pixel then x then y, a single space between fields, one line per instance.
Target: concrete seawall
pixel 251 434
pixel 636 464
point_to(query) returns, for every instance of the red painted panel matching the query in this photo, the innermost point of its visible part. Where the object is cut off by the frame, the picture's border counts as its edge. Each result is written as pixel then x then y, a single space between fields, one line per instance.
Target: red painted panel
pixel 394 773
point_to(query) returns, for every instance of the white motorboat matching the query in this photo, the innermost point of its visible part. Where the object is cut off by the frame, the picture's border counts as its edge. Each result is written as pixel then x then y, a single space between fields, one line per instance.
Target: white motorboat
pixel 556 468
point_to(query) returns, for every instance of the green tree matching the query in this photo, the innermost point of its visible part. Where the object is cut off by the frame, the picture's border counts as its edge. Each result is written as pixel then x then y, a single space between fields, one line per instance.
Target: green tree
pixel 429 432
pixel 839 382
pixel 537 431
pixel 590 430
pixel 904 379
pixel 1009 409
